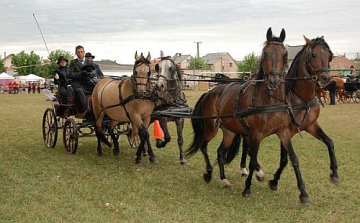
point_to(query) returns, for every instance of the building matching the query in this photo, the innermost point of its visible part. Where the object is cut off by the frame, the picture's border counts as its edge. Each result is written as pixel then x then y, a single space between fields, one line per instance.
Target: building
pixel 340 65
pixel 182 60
pixel 221 63
pixel 111 68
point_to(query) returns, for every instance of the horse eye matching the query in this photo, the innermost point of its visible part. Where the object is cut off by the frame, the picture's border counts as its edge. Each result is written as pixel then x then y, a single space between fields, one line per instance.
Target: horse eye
pixel 265 54
pixel 313 55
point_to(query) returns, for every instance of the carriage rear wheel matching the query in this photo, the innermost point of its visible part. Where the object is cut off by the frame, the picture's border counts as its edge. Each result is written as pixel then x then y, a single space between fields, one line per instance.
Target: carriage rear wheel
pixel 70 136
pixel 49 128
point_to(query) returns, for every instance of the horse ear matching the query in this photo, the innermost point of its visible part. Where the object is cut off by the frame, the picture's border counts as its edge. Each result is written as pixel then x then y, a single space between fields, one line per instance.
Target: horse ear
pixel 282 35
pixel 157 68
pixel 148 56
pixel 322 37
pixel 269 34
pixel 308 41
pixel 136 56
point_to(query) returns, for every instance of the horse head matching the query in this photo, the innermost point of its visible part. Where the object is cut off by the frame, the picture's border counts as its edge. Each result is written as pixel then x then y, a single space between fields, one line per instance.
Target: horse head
pixel 141 74
pixel 169 74
pixel 273 60
pixel 318 56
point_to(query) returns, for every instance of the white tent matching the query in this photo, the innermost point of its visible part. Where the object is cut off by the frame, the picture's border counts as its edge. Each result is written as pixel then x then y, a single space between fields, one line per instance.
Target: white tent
pixel 30 77
pixel 5 76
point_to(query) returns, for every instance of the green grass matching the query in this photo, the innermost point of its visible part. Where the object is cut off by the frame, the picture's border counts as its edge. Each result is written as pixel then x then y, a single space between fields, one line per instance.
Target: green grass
pixel 47 185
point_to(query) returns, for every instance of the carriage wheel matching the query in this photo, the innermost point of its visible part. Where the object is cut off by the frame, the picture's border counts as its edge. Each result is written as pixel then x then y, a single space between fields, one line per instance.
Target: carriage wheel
pixel 70 136
pixel 133 138
pixel 349 97
pixel 357 96
pixel 49 128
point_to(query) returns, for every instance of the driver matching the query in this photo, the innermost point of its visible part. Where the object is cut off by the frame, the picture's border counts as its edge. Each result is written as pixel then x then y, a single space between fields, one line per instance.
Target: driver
pixel 81 80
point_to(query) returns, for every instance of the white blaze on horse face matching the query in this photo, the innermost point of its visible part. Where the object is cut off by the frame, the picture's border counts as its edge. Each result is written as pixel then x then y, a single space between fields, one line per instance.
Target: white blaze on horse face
pixel 163 75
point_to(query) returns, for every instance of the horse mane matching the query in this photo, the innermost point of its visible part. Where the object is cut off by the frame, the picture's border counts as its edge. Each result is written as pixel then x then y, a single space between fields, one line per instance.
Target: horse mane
pixel 141 60
pixel 294 65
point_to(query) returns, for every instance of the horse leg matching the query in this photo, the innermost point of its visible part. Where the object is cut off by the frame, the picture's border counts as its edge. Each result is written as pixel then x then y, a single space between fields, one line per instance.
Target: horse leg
pixel 100 135
pixel 283 162
pixel 114 138
pixel 163 124
pixel 259 173
pixel 253 150
pixel 144 132
pixel 209 169
pixel 180 141
pixel 304 197
pixel 228 144
pixel 318 133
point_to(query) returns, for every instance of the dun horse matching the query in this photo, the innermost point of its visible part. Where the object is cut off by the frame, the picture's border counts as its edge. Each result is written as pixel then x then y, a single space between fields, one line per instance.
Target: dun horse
pixel 171 96
pixel 124 101
pixel 231 105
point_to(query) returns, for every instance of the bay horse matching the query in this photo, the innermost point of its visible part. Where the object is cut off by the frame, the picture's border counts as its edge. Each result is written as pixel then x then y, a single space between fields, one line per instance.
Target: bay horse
pixel 127 100
pixel 170 96
pixel 310 68
pixel 267 89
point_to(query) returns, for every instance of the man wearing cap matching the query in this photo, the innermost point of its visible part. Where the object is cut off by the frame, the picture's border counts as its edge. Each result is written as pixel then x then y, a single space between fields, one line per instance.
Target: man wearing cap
pixel 99 73
pixel 60 78
pixel 352 77
pixel 80 80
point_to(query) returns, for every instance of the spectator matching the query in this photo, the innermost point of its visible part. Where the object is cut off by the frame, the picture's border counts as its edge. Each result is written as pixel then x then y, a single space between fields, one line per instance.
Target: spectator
pixel 26 85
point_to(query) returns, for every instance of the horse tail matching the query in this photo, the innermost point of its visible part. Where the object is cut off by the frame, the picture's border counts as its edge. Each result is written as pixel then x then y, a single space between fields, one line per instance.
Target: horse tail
pixel 198 127
pixel 233 150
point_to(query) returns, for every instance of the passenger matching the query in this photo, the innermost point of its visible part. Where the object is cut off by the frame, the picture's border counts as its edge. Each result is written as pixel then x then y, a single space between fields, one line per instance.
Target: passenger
pixel 99 73
pixel 81 80
pixel 60 78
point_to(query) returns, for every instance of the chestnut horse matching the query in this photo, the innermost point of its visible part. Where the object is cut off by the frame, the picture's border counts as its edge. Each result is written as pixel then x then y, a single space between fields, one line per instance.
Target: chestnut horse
pixel 310 67
pixel 124 101
pixel 234 104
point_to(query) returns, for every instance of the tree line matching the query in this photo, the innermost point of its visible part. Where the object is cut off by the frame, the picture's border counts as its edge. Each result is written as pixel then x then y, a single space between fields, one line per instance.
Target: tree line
pixel 31 63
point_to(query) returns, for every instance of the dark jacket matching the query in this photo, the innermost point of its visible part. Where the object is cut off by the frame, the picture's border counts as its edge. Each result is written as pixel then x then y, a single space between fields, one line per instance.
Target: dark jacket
pixel 77 76
pixel 62 72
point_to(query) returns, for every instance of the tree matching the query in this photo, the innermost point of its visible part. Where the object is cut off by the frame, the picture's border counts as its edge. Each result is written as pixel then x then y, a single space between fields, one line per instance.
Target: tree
pixel 249 64
pixel 2 66
pixel 197 63
pixel 27 63
pixel 50 64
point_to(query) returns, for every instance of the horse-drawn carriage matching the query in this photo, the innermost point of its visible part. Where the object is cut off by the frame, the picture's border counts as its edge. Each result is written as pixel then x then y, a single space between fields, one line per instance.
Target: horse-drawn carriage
pixel 352 91
pixel 75 122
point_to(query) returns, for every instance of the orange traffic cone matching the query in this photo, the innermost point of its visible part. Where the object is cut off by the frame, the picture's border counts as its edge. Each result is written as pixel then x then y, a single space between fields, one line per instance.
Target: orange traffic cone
pixel 158 132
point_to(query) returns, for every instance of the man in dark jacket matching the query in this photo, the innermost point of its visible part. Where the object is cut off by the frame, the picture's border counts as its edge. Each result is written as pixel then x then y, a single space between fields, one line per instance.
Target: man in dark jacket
pixel 81 81
pixel 60 78
pixel 99 73
pixel 332 90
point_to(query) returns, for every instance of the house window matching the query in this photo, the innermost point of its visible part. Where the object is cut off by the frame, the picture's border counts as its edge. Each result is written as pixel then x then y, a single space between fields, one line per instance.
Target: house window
pixel 230 64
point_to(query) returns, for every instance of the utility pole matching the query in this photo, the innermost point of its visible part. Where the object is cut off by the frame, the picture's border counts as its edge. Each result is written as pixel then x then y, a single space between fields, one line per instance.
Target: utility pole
pixel 197 47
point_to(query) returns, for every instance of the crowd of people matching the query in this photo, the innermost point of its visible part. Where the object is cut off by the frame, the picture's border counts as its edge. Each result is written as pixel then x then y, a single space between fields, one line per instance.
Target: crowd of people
pixel 27 87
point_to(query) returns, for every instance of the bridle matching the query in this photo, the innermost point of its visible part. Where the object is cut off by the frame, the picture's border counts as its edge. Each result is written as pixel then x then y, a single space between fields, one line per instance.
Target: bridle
pixel 135 83
pixel 280 73
pixel 170 82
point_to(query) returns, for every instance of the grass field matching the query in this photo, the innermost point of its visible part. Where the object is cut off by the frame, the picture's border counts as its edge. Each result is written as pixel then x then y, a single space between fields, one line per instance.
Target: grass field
pixel 47 185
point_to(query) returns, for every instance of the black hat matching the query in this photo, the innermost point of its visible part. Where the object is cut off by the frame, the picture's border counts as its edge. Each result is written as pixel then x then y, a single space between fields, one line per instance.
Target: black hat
pixel 351 66
pixel 88 54
pixel 62 58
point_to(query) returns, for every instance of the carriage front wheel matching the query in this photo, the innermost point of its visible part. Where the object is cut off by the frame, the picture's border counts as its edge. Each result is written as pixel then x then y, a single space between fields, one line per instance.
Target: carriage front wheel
pixel 133 137
pixel 49 128
pixel 70 136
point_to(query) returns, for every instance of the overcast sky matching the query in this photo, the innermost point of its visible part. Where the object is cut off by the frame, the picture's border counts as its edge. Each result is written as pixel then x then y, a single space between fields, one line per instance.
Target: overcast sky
pixel 115 29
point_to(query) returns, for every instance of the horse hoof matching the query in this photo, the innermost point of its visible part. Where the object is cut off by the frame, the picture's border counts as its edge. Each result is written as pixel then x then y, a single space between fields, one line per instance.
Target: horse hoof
pixel 226 184
pixel 183 162
pixel 260 178
pixel 160 144
pixel 244 175
pixel 334 179
pixel 207 177
pixel 244 172
pixel 116 152
pixel 304 200
pixel 272 186
pixel 246 194
pixel 100 154
pixel 138 160
pixel 153 159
